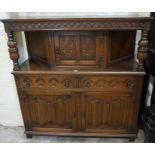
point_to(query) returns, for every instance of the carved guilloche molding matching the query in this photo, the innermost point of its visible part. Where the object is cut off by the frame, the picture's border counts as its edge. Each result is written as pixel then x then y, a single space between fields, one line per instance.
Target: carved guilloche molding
pixel 71 25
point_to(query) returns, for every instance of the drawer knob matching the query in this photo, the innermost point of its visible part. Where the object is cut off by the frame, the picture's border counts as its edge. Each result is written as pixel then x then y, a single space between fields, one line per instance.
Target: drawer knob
pixel 130 84
pixel 88 84
pixel 67 83
pixel 26 83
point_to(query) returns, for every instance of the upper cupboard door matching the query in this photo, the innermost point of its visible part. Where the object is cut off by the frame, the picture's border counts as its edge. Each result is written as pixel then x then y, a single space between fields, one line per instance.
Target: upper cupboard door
pixel 79 48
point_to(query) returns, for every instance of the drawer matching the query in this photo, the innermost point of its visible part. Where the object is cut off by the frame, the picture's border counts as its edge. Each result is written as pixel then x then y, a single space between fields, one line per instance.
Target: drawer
pixel 76 83
pixel 49 82
pixel 110 83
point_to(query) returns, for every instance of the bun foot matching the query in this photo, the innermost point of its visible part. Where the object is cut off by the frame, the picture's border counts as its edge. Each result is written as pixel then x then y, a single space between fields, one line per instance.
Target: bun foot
pixel 132 139
pixel 29 136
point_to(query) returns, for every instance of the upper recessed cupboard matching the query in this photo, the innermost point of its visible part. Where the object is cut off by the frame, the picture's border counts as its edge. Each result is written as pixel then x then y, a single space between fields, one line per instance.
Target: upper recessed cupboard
pixel 75 87
pixel 80 48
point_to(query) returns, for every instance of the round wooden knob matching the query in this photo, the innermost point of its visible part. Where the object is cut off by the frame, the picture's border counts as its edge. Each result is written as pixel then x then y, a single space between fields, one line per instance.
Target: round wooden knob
pixel 67 83
pixel 57 51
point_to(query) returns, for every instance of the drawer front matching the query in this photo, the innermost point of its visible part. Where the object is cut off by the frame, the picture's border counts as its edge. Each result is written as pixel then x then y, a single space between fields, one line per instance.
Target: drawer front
pixel 103 83
pixel 110 83
pixel 50 82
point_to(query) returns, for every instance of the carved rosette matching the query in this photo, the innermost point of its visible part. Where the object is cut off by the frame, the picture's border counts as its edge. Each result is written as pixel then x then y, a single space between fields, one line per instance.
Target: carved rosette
pixel 67 83
pixel 130 84
pixel 13 50
pixel 27 83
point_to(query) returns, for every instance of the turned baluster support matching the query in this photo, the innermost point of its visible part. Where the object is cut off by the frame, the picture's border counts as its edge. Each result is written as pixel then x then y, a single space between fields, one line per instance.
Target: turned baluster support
pixel 13 50
pixel 143 46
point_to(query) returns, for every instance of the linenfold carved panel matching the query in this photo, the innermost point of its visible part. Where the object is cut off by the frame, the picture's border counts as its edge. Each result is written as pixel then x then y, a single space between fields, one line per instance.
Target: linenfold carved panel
pixel 105 111
pixel 47 110
pixel 67 46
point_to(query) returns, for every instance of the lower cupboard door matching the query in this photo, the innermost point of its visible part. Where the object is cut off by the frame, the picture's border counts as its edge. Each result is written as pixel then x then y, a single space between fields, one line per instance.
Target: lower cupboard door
pixel 109 112
pixel 51 113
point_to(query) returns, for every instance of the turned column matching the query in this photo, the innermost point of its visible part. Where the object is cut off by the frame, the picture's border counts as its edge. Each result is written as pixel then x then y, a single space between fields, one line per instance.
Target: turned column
pixel 143 46
pixel 13 50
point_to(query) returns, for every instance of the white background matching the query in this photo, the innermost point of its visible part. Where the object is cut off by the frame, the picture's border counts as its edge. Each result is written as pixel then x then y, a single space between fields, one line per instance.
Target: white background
pixel 61 6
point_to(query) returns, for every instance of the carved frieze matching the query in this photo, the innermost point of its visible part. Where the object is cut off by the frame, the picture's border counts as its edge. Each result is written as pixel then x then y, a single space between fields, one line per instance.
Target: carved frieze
pixel 103 84
pixel 109 83
pixel 130 84
pixel 47 82
pixel 71 25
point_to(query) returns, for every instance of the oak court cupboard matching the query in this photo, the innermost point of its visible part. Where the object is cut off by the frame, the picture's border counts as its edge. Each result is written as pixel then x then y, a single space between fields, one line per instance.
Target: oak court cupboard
pixel 81 77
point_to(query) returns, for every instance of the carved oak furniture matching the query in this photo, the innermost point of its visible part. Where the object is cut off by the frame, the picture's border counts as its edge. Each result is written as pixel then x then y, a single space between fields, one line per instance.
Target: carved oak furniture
pixel 81 77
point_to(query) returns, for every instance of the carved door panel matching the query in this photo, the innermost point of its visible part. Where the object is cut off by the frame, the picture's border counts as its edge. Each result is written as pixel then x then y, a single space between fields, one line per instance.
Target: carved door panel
pixel 54 112
pixel 65 47
pixel 79 48
pixel 105 111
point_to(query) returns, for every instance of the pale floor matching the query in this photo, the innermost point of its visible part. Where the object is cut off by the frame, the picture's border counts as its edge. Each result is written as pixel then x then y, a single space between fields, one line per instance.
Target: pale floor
pixel 16 135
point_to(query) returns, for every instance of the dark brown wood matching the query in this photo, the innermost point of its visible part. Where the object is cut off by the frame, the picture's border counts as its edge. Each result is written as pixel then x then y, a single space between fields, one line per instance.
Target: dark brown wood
pixel 13 50
pixel 122 44
pixel 75 24
pixel 79 48
pixel 143 46
pixel 81 78
pixel 37 42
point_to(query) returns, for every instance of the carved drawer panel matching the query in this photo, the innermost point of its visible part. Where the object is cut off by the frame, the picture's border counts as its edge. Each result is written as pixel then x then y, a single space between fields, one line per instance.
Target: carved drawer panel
pixel 52 82
pixel 109 83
